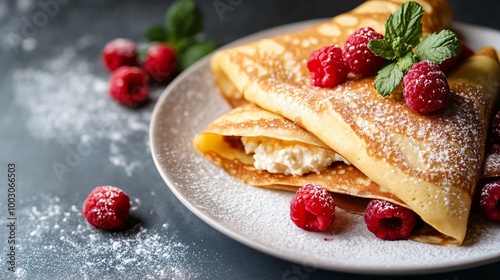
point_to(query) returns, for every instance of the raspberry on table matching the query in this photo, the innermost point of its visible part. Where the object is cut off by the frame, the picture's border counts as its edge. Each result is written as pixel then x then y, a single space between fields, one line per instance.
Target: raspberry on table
pixel 327 66
pixel 312 208
pixel 490 200
pixel 465 52
pixel 119 52
pixel 107 207
pixel 358 57
pixel 425 87
pixel 389 221
pixel 160 63
pixel 129 85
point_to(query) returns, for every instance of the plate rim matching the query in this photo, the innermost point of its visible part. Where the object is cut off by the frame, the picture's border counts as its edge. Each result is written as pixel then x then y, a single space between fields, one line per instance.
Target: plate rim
pixel 358 269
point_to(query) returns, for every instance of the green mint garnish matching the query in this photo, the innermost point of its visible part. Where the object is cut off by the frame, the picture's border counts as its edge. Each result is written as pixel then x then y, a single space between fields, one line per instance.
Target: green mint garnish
pixel 402 47
pixel 183 24
pixel 184 19
pixel 156 33
pixel 388 79
pixel 438 47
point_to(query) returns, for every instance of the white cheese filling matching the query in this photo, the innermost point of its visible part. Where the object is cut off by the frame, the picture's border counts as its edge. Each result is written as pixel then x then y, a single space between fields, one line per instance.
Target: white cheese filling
pixel 285 157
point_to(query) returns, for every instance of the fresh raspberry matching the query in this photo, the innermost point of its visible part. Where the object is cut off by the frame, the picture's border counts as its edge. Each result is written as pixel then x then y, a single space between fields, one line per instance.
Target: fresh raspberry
pixel 465 52
pixel 389 221
pixel 160 63
pixel 327 66
pixel 495 126
pixel 425 87
pixel 360 59
pixel 107 207
pixel 312 208
pixel 119 52
pixel 490 200
pixel 129 85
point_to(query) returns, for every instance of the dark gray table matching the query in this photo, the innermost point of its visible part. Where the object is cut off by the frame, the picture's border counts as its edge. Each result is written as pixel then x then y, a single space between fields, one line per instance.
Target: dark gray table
pixel 65 136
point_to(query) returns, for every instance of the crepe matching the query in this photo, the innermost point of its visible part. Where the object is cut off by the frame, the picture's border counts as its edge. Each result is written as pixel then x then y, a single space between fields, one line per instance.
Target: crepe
pixel 431 163
pixel 221 143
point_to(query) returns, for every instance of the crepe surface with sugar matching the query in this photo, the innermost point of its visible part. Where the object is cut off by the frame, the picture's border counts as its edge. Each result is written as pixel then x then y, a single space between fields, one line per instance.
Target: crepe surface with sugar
pixel 429 162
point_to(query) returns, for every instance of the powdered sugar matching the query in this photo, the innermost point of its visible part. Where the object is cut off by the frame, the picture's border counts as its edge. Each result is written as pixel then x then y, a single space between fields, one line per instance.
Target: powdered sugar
pixel 54 234
pixel 89 116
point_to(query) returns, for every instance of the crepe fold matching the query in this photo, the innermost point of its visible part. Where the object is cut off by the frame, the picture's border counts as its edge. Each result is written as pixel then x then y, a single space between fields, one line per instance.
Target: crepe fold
pixel 428 163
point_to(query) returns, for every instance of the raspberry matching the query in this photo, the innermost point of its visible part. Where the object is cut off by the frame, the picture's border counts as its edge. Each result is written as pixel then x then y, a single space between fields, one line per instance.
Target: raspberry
pixel 327 66
pixel 465 52
pixel 107 207
pixel 119 52
pixel 490 200
pixel 160 63
pixel 495 126
pixel 312 208
pixel 425 87
pixel 360 59
pixel 129 85
pixel 389 221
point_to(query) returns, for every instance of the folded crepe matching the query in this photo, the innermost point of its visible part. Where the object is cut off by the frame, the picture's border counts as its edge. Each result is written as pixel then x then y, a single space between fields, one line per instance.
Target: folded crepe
pixel 428 163
pixel 288 157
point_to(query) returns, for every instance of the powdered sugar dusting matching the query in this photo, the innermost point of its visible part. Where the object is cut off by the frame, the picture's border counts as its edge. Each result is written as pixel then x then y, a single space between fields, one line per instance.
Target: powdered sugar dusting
pixel 84 109
pixel 60 234
pixel 260 217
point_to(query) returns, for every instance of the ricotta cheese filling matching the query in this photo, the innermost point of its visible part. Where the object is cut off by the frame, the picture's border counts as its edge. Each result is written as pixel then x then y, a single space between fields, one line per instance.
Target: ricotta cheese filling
pixel 287 157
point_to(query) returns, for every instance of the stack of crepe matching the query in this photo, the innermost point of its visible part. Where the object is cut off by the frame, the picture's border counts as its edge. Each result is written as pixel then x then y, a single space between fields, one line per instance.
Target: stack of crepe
pixel 427 163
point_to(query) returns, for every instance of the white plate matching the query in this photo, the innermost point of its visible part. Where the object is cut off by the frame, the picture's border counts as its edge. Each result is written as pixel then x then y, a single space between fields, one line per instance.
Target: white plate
pixel 259 218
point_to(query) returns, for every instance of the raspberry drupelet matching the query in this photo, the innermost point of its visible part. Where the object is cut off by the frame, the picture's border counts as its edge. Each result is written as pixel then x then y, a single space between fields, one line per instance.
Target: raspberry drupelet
pixel 358 57
pixel 327 66
pixel 490 200
pixel 107 207
pixel 129 86
pixel 160 63
pixel 119 52
pixel 312 208
pixel 425 87
pixel 389 221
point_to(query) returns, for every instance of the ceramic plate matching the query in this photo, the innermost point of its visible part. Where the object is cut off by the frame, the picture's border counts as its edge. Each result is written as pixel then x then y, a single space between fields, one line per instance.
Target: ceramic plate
pixel 259 218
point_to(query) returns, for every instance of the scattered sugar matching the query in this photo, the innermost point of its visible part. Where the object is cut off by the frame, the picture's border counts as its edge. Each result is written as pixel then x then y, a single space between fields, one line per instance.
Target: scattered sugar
pixel 85 115
pixel 54 236
pixel 260 217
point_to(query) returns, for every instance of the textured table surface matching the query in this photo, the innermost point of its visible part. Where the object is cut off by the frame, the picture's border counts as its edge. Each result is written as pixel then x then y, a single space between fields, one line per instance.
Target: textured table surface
pixel 65 136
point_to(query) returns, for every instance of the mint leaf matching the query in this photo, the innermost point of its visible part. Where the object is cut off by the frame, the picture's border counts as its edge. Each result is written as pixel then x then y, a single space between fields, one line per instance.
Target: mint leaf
pixel 184 19
pixel 406 62
pixel 438 47
pixel 382 48
pixel 156 33
pixel 405 24
pixel 196 52
pixel 182 44
pixel 388 79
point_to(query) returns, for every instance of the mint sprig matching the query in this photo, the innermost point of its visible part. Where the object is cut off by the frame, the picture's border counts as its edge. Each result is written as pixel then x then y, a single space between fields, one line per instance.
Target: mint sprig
pixel 181 29
pixel 402 47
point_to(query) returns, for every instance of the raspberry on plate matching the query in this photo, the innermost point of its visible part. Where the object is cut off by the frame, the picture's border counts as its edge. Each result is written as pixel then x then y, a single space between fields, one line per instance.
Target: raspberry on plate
pixel 312 208
pixel 327 66
pixel 490 200
pixel 360 59
pixel 160 63
pixel 425 87
pixel 119 52
pixel 389 221
pixel 107 207
pixel 129 85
